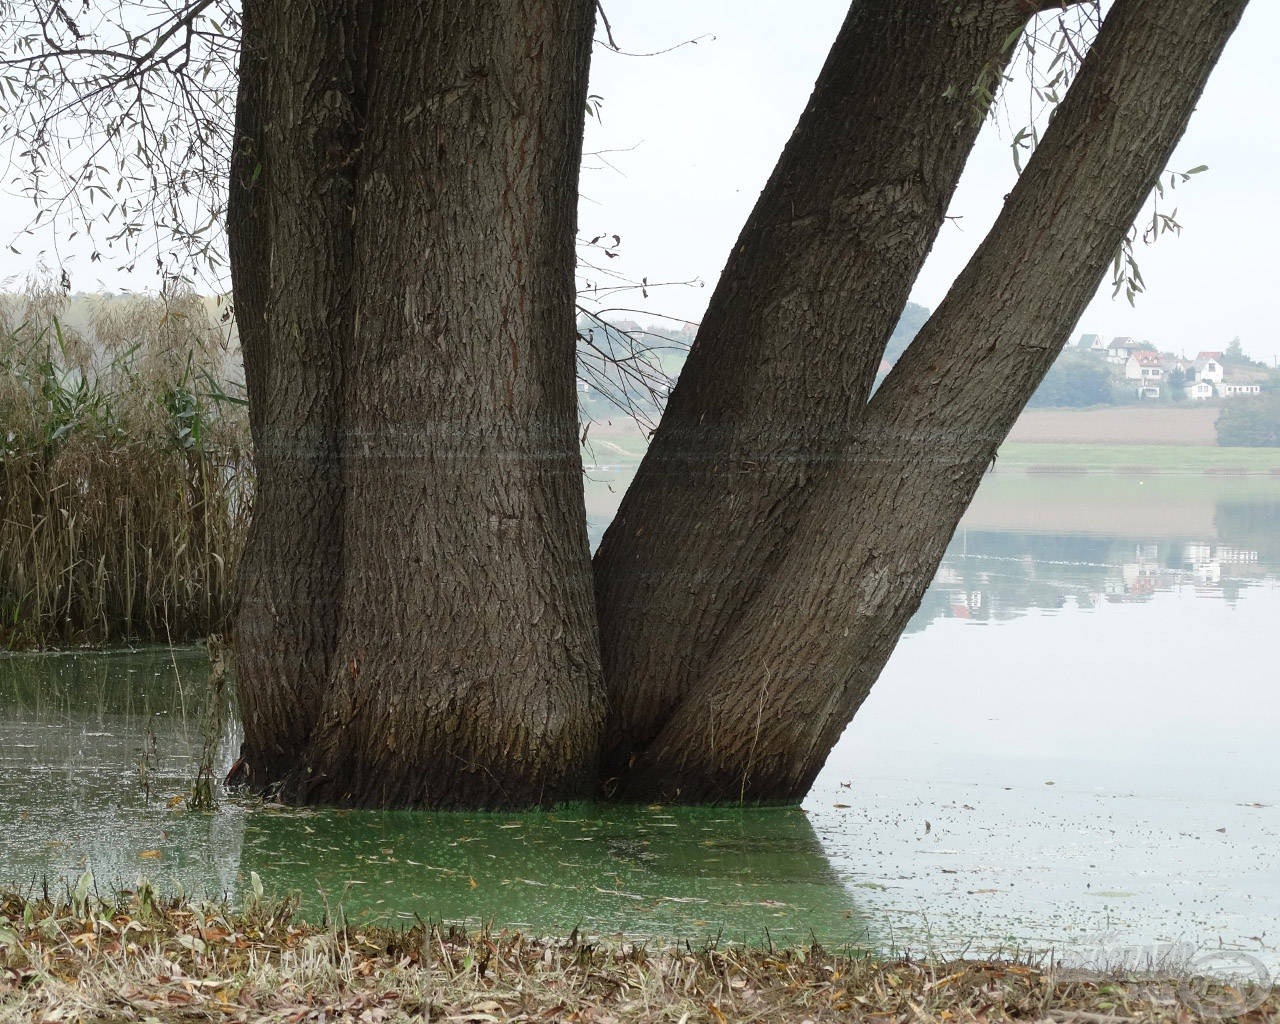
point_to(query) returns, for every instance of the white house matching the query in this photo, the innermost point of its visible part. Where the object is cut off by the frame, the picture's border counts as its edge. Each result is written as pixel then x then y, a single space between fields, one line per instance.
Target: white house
pixel 1231 388
pixel 1119 350
pixel 1144 366
pixel 1200 390
pixel 1209 367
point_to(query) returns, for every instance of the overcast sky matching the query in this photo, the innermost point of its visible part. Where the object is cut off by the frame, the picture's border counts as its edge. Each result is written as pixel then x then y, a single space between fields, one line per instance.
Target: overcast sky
pixel 697 131
pixel 693 133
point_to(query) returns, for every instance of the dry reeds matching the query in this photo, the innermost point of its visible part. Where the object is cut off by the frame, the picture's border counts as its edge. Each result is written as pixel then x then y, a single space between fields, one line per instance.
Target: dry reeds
pixel 139 957
pixel 125 469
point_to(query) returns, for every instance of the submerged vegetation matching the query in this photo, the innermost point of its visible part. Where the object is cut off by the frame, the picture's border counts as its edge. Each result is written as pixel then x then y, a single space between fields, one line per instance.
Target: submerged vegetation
pixel 139 957
pixel 125 470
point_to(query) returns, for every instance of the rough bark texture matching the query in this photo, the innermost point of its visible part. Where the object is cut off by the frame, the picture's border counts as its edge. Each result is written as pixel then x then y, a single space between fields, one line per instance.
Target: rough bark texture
pixel 288 225
pixel 790 345
pixel 412 368
pixel 417 624
pixel 783 685
pixel 480 688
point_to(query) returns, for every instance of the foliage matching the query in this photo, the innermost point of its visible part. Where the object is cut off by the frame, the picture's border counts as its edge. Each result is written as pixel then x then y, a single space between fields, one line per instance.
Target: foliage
pixel 625 368
pixel 1075 381
pixel 1234 355
pixel 1250 421
pixel 125 471
pixel 118 119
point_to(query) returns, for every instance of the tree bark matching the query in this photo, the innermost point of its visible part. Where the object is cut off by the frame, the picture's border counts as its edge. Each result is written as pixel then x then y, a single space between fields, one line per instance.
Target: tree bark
pixel 290 247
pixel 416 624
pixel 467 671
pixel 782 686
pixel 789 349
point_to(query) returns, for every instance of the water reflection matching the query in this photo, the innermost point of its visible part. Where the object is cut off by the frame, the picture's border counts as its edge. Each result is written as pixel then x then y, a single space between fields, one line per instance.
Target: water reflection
pixel 1099 756
pixel 1096 766
pixel 996 575
pixel 96 751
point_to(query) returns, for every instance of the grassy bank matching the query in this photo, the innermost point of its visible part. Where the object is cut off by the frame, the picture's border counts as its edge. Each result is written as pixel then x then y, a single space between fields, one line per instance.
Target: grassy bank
pixel 1133 458
pixel 142 959
pixel 125 472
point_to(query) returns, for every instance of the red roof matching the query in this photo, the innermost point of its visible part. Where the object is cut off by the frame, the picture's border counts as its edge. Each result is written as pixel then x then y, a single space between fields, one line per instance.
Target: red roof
pixel 1148 358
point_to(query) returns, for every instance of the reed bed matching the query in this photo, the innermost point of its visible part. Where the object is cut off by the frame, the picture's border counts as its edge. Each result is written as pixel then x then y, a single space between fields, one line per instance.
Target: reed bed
pixel 125 469
pixel 140 958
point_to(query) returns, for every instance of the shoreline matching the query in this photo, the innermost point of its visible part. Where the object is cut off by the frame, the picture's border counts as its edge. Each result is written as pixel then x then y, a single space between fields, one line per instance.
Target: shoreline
pixel 143 958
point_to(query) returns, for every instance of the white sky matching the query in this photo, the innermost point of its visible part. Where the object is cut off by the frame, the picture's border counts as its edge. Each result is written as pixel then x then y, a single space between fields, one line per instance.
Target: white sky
pixel 707 123
pixel 694 133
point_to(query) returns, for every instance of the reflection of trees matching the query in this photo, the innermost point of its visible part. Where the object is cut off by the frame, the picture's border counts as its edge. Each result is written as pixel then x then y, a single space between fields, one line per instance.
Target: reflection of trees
pixel 994 575
pixel 669 873
pixel 1251 525
pixel 990 575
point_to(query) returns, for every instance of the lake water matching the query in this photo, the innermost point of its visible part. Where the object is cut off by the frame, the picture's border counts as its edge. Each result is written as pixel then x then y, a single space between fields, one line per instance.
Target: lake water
pixel 1072 748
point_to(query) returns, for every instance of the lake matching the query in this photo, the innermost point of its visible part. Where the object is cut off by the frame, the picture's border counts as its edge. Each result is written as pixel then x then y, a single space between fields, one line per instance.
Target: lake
pixel 1072 749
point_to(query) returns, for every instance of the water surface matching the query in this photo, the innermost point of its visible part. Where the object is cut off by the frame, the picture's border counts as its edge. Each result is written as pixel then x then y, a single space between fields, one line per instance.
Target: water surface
pixel 1073 747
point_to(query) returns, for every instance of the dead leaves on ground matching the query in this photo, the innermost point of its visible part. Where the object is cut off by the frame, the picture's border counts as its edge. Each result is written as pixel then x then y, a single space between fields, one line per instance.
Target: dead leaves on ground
pixel 140 961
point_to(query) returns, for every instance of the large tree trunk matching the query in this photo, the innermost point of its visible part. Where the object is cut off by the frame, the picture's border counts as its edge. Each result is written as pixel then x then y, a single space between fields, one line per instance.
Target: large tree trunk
pixel 788 351
pixel 429 325
pixel 795 667
pixel 290 248
pixel 417 624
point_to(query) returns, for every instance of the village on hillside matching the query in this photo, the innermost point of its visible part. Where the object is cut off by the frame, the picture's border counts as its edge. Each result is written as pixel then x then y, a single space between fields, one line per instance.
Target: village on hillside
pixel 1150 374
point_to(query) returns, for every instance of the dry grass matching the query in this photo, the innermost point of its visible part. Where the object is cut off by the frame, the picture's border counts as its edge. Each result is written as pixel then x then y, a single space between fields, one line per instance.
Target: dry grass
pixel 125 472
pixel 140 960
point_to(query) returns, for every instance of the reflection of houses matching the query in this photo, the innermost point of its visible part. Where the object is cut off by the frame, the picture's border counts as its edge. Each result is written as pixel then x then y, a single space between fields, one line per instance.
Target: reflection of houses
pixel 1235 556
pixel 967 604
pixel 1138 579
pixel 1209 564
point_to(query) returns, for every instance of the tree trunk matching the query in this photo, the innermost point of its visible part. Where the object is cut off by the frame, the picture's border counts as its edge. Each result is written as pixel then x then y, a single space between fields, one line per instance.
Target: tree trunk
pixel 438 647
pixel 468 672
pixel 795 667
pixel 789 349
pixel 417 624
pixel 290 247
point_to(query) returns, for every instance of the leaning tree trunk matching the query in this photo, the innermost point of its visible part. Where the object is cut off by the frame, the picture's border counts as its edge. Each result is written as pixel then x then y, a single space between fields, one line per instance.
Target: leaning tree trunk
pixel 411 364
pixel 791 343
pixel 790 674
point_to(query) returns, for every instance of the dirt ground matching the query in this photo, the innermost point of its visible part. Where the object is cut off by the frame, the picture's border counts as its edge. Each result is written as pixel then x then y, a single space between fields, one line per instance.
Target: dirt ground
pixel 1135 424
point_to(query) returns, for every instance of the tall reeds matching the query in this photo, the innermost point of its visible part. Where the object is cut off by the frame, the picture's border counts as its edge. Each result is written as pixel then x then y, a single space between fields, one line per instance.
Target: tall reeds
pixel 125 469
